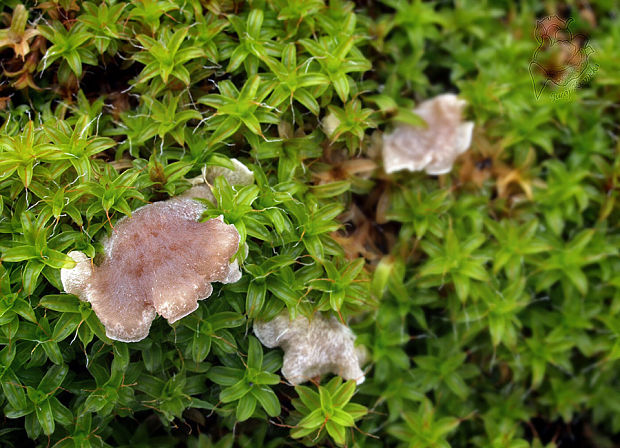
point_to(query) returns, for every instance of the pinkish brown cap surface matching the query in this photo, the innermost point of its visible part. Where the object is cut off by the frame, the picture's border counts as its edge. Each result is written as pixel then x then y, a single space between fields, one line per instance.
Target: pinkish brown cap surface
pixel 161 260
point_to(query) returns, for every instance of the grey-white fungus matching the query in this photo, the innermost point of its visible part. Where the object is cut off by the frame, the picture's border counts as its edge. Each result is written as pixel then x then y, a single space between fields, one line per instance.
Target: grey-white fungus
pixel 313 347
pixel 434 148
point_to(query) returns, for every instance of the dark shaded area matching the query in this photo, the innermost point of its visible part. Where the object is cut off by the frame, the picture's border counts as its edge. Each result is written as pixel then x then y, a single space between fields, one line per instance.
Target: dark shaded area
pixel 576 434
pixel 112 80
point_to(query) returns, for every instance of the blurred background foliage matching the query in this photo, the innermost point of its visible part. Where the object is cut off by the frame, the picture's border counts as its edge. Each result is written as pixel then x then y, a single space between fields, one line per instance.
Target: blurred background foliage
pixel 488 298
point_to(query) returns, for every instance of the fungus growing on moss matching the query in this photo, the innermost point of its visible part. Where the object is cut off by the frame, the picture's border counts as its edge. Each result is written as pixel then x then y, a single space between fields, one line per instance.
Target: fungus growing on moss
pixel 435 147
pixel 330 124
pixel 240 175
pixel 313 347
pixel 161 260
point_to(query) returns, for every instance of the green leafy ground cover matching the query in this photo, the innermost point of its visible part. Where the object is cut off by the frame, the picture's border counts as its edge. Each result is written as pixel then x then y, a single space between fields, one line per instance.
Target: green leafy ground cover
pixel 488 298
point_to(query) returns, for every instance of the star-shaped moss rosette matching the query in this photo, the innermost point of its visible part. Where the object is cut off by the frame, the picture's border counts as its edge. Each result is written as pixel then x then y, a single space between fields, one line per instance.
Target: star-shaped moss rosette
pixel 435 147
pixel 313 347
pixel 161 260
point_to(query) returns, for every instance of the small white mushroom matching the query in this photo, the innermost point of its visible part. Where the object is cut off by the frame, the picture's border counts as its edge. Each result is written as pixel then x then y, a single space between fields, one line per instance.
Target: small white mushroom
pixel 330 123
pixel 435 147
pixel 239 175
pixel 161 260
pixel 313 347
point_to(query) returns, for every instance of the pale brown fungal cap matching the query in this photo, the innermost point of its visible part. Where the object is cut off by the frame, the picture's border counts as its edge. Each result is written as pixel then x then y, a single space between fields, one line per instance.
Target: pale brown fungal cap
pixel 435 147
pixel 313 347
pixel 158 261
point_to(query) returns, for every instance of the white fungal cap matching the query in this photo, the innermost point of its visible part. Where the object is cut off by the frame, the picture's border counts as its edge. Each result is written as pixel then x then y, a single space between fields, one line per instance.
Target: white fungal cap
pixel 239 175
pixel 312 347
pixel 76 279
pixel 159 261
pixel 330 123
pixel 435 147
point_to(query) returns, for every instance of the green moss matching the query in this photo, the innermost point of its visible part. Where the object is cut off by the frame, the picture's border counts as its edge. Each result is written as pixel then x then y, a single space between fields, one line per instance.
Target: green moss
pixel 488 298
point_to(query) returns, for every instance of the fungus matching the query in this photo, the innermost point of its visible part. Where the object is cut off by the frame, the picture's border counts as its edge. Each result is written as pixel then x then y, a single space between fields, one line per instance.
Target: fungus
pixel 161 260
pixel 435 147
pixel 239 175
pixel 313 347
pixel 330 124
